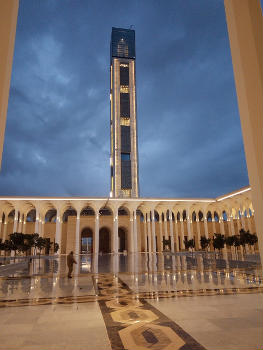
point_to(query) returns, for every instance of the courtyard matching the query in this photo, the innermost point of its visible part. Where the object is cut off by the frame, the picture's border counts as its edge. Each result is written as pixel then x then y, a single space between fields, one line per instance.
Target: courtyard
pixel 133 301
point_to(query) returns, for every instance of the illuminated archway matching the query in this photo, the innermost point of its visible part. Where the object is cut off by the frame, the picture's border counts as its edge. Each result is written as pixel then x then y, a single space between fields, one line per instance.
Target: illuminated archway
pixel 86 245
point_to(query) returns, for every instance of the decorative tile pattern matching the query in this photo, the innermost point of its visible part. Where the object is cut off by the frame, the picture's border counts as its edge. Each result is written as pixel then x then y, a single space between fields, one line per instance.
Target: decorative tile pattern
pixel 150 336
pixel 137 325
pixel 118 296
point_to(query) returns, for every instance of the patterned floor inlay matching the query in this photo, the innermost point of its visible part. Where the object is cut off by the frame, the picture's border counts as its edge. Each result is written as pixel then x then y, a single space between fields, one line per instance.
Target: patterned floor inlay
pixel 134 324
pixel 110 290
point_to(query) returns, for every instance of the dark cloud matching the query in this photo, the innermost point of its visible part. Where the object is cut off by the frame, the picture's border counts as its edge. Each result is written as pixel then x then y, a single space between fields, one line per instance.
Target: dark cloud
pixel 57 135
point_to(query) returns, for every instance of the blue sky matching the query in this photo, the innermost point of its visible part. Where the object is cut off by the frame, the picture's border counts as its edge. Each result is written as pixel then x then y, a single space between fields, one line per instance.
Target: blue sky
pixel 57 135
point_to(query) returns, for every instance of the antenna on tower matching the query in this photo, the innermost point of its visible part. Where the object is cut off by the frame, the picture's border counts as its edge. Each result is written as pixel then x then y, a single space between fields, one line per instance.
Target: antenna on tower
pixel 132 26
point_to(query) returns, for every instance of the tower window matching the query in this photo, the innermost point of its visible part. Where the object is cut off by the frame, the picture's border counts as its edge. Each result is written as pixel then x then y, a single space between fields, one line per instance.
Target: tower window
pixel 125 121
pixel 125 156
pixel 125 139
pixel 124 89
pixel 124 75
pixel 124 105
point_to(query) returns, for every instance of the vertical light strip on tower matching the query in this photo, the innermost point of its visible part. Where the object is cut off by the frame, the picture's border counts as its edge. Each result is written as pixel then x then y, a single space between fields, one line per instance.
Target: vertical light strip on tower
pixel 124 154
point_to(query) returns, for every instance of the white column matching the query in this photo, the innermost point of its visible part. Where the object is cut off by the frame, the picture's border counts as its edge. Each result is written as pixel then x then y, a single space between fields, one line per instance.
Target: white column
pixel 19 229
pixel 149 233
pixel 15 221
pixel 58 232
pixel 222 225
pixel 245 29
pixel 115 247
pixel 189 228
pixel 249 223
pixel 135 234
pixel 42 225
pixel 5 228
pixel 176 236
pixel 182 233
pixel 77 234
pixel 214 224
pixel 145 232
pixel 97 233
pixel 232 227
pixel 165 226
pixel 160 234
pixel 198 232
pixel 153 233
pixel 131 245
pixel 171 230
pixel 24 224
pixel 242 220
pixel 238 224
pixel 37 221
pixel 206 227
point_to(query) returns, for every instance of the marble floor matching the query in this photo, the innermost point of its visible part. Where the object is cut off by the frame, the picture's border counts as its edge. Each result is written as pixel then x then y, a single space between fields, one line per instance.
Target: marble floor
pixel 139 301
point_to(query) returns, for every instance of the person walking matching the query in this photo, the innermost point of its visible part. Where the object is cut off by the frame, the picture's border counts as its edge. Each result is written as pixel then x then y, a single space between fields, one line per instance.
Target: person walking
pixel 70 262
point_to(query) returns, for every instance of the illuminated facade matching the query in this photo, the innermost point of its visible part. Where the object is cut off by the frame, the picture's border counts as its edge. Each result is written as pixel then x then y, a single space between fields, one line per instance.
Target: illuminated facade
pixel 115 225
pixel 124 153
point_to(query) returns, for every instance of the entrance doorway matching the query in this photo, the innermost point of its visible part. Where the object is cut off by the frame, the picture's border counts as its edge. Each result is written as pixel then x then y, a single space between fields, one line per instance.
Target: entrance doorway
pixel 104 241
pixel 86 241
pixel 122 239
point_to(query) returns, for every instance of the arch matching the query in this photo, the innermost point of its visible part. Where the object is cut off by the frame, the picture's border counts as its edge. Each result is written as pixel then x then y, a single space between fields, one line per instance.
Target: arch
pixel 123 237
pixel 178 216
pixel 86 241
pixel 51 215
pixel 193 216
pixel 184 215
pixel 122 211
pixel 104 240
pixel 105 211
pixel 224 215
pixel 139 212
pixel 68 212
pixel 87 211
pixel 209 216
pixel 31 216
pixel 11 216
pixel 200 216
pixel 216 216
pixel 156 216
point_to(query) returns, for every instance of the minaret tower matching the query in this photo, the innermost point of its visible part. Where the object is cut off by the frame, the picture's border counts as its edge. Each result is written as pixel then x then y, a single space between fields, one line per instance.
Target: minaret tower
pixel 124 150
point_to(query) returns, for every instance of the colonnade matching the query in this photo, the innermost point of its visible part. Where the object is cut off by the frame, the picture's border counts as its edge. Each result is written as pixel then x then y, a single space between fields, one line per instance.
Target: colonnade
pixel 148 222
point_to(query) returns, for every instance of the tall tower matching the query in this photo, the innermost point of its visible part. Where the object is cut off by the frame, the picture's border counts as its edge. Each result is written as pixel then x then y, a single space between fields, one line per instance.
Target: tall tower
pixel 124 153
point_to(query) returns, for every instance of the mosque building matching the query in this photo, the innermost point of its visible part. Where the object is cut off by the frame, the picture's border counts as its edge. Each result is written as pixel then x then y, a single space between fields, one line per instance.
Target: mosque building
pixel 124 221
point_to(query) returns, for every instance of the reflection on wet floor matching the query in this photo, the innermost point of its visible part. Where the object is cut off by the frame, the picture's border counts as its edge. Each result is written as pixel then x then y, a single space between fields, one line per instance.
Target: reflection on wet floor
pixel 46 277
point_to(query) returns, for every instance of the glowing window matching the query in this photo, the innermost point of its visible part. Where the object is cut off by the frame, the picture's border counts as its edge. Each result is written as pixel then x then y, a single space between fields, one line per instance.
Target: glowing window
pixel 124 89
pixel 126 193
pixel 125 121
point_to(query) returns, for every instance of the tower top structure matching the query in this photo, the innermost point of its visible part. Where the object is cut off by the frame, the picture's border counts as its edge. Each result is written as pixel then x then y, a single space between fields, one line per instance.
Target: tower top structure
pixel 123 43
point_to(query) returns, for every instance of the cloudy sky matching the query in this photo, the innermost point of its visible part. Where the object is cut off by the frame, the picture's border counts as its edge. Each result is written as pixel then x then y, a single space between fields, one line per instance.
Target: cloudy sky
pixel 57 135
